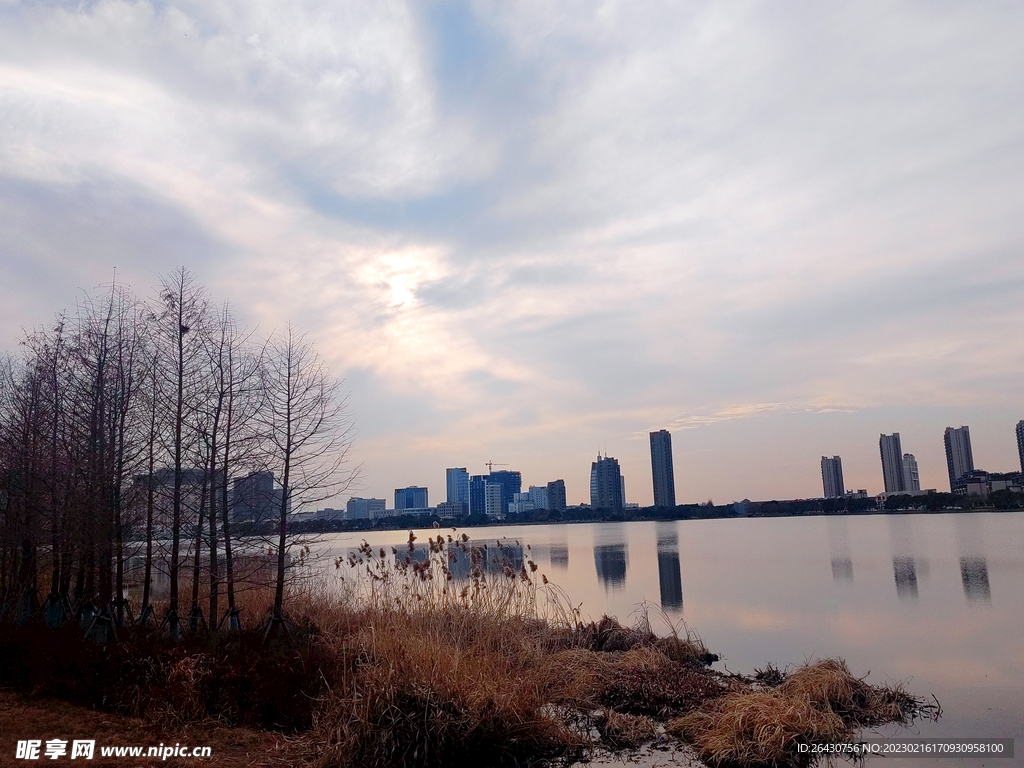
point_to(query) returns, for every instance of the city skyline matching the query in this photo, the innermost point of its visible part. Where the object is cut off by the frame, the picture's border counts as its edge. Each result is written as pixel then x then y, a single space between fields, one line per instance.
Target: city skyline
pixel 521 232
pixel 905 470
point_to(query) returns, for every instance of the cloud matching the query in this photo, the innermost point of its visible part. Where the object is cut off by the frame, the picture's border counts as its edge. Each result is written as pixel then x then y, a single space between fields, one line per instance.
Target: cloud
pixel 752 410
pixel 543 221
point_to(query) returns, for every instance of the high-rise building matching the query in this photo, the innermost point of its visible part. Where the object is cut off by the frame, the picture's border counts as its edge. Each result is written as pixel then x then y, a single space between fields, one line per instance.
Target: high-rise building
pixel 477 485
pixel 1020 443
pixel 832 477
pixel 493 500
pixel 539 496
pixel 959 458
pixel 364 509
pixel 413 497
pixel 661 469
pixel 254 498
pixel 193 496
pixel 892 462
pixel 606 487
pixel 556 496
pixel 911 477
pixel 458 485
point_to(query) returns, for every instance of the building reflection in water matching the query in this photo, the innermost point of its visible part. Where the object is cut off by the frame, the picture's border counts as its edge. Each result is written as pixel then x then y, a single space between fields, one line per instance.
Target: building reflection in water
pixel 559 552
pixel 974 575
pixel 973 564
pixel 905 570
pixel 489 557
pixel 842 569
pixel 839 546
pixel 905 565
pixel 611 561
pixel 670 577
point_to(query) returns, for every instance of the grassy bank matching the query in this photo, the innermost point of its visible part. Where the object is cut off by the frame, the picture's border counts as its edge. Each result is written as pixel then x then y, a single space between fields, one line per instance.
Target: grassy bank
pixel 449 654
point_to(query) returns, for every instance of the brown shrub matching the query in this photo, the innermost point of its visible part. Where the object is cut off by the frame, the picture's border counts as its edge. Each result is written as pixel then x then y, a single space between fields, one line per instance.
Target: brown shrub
pixel 416 690
pixel 757 728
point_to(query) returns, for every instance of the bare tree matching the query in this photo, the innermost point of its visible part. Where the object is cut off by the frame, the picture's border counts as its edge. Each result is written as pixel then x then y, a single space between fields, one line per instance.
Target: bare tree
pixel 180 328
pixel 307 435
pixel 233 400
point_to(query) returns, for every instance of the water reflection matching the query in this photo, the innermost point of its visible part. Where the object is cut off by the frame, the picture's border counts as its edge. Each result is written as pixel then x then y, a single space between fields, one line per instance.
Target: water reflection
pixel 974 575
pixel 973 564
pixel 670 578
pixel 611 557
pixel 839 546
pixel 490 557
pixel 559 550
pixel 905 571
pixel 904 563
pixel 559 556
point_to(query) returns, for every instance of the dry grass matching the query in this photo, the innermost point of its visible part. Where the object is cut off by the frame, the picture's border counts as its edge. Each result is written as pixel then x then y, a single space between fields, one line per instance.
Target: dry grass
pixel 757 728
pixel 819 702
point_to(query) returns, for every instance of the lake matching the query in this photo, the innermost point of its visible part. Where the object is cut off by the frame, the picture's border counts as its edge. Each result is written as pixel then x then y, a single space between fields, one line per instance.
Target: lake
pixel 934 601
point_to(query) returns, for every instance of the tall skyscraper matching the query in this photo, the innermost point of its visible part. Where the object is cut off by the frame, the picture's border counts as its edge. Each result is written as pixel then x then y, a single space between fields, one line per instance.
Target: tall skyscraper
pixel 1020 443
pixel 832 477
pixel 661 469
pixel 959 458
pixel 413 497
pixel 458 485
pixel 911 477
pixel 606 486
pixel 556 495
pixel 892 462
pixel 477 498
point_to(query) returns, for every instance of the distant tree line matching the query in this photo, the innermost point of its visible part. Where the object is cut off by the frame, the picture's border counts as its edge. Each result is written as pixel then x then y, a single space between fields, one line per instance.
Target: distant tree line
pixel 838 506
pixel 122 425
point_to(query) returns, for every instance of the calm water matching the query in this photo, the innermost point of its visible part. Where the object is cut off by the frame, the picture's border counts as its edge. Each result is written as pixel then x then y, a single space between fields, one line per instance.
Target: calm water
pixel 935 601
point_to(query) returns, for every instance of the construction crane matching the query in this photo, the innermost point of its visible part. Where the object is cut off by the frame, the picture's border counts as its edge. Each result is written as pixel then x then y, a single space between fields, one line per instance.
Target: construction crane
pixel 491 464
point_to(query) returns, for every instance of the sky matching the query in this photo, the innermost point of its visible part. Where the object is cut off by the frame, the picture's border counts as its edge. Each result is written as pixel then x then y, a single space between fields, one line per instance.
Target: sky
pixel 529 231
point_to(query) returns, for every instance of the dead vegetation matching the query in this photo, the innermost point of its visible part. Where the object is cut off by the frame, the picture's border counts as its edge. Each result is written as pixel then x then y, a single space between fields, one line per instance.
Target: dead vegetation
pixel 819 702
pixel 415 662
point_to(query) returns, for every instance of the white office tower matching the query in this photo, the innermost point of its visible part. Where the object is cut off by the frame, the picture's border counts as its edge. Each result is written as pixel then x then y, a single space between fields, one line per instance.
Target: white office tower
pixel 911 478
pixel 539 496
pixel 364 509
pixel 458 485
pixel 959 458
pixel 892 462
pixel 492 500
pixel 832 477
